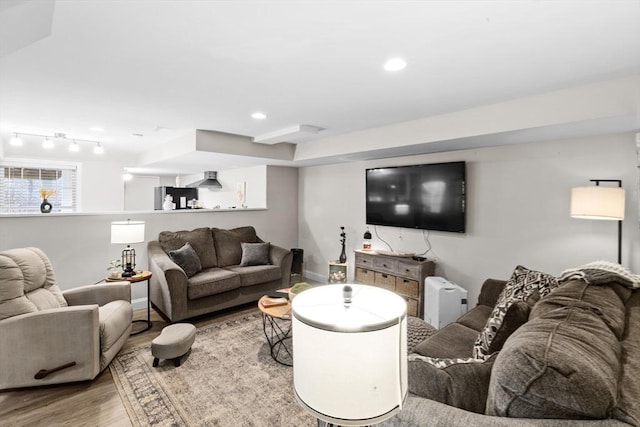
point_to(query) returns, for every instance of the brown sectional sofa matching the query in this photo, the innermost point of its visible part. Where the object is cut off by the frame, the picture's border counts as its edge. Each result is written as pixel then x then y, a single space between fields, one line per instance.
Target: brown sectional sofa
pixel 220 282
pixel 573 360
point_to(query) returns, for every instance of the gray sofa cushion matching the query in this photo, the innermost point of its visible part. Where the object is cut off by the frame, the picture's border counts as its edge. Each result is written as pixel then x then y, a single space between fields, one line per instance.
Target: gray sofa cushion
pixel 211 282
pixel 254 254
pixel 200 239
pixel 257 274
pixel 187 259
pixel 476 318
pixel 462 383
pixel 227 243
pixel 565 362
pixel 453 341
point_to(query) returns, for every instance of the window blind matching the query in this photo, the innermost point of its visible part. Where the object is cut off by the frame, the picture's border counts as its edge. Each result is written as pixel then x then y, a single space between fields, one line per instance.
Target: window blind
pixel 20 188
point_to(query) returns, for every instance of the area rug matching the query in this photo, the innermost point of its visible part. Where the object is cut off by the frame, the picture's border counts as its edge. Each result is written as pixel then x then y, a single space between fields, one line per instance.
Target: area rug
pixel 228 379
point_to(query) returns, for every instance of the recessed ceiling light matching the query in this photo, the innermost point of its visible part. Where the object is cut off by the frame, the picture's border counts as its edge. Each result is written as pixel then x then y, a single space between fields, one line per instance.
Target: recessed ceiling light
pixel 259 115
pixel 395 64
pixel 97 129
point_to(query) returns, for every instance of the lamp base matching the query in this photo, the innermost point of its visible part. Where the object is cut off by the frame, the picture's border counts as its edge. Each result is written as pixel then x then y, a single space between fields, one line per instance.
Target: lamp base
pixel 128 272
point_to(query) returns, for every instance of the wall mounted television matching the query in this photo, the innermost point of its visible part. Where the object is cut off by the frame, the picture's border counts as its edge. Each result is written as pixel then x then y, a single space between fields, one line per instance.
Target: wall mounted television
pixel 428 196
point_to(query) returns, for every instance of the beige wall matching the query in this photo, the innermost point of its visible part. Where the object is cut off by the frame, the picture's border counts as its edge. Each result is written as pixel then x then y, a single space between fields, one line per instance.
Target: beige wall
pixel 517 210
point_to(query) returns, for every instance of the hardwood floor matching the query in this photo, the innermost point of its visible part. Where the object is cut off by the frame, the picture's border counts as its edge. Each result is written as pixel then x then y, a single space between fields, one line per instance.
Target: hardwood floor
pixel 87 403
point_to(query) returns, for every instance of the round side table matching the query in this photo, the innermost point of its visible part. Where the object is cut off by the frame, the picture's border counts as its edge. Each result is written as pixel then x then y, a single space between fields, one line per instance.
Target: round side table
pixel 140 276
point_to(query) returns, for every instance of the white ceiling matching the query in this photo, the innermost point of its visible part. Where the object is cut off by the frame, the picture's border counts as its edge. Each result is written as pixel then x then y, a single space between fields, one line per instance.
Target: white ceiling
pixel 162 68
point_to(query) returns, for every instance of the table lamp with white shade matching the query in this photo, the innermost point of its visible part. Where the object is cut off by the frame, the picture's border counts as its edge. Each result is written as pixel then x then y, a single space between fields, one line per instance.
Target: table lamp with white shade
pixel 350 353
pixel 127 232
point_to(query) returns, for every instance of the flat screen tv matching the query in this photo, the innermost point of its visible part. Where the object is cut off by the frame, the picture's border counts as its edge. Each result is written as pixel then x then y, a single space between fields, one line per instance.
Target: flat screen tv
pixel 428 197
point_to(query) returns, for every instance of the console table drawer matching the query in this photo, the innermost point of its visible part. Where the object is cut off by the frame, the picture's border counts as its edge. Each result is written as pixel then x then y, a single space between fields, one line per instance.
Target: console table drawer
pixel 365 276
pixel 409 270
pixel 385 264
pixel 364 260
pixel 386 281
pixel 410 288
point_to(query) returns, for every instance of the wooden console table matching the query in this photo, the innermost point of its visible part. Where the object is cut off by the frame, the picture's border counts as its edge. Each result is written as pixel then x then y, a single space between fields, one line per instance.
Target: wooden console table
pixel 404 276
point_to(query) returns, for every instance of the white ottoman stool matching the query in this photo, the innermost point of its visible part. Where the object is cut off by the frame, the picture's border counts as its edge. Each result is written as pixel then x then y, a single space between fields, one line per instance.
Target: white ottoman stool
pixel 173 342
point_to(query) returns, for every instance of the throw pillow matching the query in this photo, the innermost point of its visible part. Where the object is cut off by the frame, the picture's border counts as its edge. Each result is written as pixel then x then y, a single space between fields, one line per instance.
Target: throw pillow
pixel 200 240
pixel 254 254
pixel 187 258
pixel 525 286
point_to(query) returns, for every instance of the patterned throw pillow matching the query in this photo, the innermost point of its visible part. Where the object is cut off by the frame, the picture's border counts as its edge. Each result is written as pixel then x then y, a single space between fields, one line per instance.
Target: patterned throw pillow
pixel 524 286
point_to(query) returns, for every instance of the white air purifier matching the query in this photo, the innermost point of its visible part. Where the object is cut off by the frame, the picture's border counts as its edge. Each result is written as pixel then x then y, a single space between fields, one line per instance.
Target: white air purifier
pixel 444 301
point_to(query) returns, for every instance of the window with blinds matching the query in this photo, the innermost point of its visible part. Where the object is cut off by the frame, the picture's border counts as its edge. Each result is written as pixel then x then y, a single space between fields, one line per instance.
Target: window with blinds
pixel 20 188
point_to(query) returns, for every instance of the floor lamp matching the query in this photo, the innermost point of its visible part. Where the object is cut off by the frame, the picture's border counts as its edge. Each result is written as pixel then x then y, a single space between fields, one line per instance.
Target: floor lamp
pixel 598 202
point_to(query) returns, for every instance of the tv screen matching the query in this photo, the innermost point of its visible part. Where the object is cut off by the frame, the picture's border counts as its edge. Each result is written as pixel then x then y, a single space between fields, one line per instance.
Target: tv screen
pixel 428 197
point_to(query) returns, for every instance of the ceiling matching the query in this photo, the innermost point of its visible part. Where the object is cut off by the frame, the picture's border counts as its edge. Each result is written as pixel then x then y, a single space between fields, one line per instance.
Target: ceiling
pixel 148 72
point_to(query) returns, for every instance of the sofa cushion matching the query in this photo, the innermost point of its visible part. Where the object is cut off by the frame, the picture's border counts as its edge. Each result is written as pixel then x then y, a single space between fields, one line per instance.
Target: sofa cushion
pixel 211 282
pixel 254 254
pixel 257 274
pixel 564 362
pixel 200 240
pixel 462 383
pixel 187 258
pixel 452 341
pixel 524 286
pixel 227 243
pixel 476 318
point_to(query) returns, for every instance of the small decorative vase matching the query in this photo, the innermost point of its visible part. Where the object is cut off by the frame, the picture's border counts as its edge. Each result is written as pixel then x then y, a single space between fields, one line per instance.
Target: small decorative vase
pixel 45 206
pixel 343 255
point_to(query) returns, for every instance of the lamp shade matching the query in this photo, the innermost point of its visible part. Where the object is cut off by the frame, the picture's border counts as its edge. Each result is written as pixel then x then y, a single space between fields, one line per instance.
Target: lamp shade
pixel 350 358
pixel 127 232
pixel 597 202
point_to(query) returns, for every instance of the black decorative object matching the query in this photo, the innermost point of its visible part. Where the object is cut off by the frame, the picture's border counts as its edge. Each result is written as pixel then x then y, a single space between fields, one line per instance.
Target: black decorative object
pixel 45 206
pixel 343 238
pixel 366 244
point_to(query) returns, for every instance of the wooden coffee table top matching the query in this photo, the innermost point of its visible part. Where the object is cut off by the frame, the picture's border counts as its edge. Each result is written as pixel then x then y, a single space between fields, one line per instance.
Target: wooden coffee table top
pixel 279 311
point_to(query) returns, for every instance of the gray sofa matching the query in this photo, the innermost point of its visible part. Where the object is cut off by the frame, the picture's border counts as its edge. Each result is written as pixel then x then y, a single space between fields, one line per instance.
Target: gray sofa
pixel 571 358
pixel 226 274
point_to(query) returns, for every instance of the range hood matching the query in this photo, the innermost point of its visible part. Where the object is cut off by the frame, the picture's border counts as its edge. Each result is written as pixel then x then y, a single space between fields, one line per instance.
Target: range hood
pixel 210 180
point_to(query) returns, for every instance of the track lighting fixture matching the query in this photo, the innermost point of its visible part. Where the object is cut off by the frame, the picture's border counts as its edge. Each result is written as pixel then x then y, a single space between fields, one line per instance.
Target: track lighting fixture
pixel 15 141
pixel 49 143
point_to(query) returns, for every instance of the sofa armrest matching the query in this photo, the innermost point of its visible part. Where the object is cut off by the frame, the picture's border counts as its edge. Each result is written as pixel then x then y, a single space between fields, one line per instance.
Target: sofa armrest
pixel 490 292
pixel 100 294
pixel 168 284
pixel 283 258
pixel 48 339
pixel 421 412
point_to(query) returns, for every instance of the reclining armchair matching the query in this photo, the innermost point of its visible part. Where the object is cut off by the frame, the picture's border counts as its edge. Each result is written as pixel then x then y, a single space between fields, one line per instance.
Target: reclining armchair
pixel 48 336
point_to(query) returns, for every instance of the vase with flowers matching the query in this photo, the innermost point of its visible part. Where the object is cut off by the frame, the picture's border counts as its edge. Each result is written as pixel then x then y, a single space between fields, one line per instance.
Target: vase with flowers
pixel 45 193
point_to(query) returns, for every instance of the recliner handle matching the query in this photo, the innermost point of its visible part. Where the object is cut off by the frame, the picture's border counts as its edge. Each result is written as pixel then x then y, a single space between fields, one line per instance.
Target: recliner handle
pixel 44 372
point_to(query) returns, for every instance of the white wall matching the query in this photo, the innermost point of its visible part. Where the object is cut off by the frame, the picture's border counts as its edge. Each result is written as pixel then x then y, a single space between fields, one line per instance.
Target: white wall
pixel 79 244
pixel 226 197
pixel 139 193
pixel 517 211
